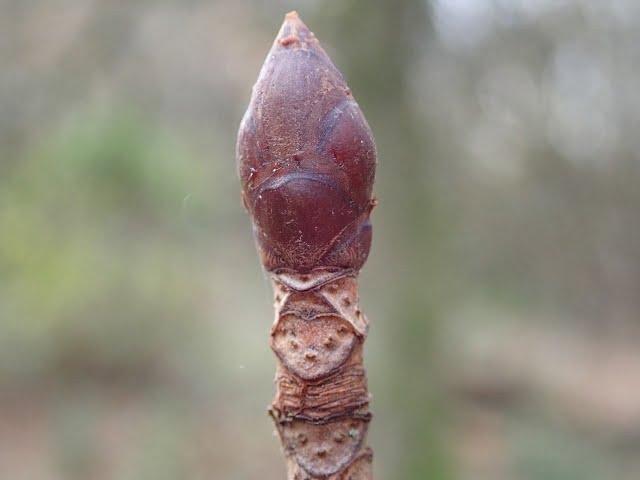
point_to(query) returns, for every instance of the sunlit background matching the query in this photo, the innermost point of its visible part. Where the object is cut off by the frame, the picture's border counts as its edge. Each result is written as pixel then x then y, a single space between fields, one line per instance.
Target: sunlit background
pixel 503 284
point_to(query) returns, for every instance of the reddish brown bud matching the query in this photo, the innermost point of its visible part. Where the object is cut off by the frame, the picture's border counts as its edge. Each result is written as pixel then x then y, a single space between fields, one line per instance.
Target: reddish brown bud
pixel 306 159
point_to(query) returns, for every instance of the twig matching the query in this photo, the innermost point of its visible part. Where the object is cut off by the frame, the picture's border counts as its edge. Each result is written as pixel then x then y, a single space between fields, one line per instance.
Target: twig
pixel 306 159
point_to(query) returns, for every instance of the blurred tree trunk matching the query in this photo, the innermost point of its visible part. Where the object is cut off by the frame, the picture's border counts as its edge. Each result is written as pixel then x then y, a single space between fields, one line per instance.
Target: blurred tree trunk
pixel 379 66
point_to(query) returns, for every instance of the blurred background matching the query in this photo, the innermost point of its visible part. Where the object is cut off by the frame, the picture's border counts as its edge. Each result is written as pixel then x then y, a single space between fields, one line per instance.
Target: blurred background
pixel 503 285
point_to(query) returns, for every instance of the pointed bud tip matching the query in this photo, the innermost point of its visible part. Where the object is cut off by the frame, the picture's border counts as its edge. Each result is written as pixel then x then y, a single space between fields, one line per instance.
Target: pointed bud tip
pixel 293 32
pixel 292 15
pixel 293 19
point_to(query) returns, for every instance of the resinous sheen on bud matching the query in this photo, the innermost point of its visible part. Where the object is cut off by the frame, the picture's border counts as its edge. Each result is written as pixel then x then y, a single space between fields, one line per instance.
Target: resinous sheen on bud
pixel 306 159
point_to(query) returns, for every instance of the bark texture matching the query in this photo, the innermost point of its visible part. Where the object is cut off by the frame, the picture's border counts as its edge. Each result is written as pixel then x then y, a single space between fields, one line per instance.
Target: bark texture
pixel 306 160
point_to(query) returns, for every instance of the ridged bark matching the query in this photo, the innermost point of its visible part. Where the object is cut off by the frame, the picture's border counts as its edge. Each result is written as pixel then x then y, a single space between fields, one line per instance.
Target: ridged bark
pixel 306 159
